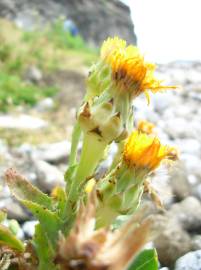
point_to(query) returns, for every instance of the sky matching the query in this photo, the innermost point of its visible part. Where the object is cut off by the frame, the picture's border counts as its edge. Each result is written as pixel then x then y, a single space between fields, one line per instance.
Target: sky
pixel 168 30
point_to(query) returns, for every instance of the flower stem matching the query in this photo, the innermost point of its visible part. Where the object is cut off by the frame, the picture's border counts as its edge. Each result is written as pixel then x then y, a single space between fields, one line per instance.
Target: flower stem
pixel 75 140
pixel 92 152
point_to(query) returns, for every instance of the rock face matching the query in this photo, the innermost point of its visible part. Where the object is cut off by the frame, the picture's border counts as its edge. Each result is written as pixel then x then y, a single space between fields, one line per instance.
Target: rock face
pixel 95 19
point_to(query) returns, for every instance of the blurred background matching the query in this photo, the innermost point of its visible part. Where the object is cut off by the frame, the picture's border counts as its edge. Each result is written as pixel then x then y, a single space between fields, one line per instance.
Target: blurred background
pixel 46 49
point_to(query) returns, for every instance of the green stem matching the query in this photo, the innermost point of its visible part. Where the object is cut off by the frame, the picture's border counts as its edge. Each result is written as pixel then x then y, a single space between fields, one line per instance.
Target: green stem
pixel 74 145
pixel 92 153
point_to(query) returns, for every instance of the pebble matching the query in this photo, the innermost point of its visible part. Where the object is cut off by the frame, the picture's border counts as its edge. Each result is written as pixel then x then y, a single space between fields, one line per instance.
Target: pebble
pixel 33 74
pixel 48 176
pixel 190 261
pixel 196 242
pixel 172 241
pixel 29 228
pixel 188 213
pixel 54 153
pixel 22 121
pixel 14 209
pixel 45 105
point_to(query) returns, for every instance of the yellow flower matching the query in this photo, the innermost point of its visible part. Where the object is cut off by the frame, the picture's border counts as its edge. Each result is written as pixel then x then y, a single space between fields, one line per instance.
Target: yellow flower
pixel 145 152
pixel 145 127
pixel 130 72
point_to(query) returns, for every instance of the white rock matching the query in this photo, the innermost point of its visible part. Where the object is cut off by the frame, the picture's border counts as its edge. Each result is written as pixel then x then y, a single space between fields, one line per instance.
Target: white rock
pixel 54 152
pixel 181 128
pixel 22 121
pixel 29 227
pixel 13 209
pixel 189 146
pixel 192 164
pixel 45 105
pixel 48 176
pixel 33 74
pixel 196 242
pixel 190 261
pixel 187 213
pixel 197 191
pixel 163 101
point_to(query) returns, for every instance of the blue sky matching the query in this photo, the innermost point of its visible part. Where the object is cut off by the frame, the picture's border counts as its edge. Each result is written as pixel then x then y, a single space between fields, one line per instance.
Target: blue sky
pixel 168 30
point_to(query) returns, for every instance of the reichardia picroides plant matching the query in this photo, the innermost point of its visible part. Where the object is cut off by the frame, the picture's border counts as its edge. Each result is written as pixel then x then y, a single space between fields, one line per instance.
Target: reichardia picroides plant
pixel 78 226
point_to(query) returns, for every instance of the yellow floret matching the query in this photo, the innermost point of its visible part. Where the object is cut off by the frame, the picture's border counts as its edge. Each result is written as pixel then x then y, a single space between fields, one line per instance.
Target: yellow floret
pixel 142 151
pixel 145 127
pixel 130 72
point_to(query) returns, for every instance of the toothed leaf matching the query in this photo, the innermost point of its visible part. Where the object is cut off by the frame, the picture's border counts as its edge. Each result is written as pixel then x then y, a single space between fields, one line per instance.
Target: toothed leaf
pixel 43 249
pixel 50 222
pixel 23 190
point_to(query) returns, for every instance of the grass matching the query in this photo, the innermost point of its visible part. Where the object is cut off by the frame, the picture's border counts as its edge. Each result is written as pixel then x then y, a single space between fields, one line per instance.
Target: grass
pixel 14 91
pixel 49 50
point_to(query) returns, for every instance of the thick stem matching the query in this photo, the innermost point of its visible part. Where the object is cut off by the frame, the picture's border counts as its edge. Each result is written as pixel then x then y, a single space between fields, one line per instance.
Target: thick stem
pixel 92 153
pixel 75 140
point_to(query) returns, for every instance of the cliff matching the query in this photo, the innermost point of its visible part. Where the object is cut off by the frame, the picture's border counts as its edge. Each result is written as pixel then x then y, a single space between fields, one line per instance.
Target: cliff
pixel 95 19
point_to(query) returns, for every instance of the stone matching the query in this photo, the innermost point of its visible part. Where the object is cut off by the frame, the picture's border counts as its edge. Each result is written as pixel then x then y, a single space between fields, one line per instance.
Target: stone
pixel 172 241
pixel 189 146
pixel 163 101
pixel 187 213
pixel 197 191
pixel 4 191
pixel 48 176
pixel 192 164
pixel 190 261
pixel 14 209
pixel 45 105
pixel 196 242
pixel 178 128
pixel 54 153
pixel 22 121
pixel 179 181
pixel 160 183
pixel 33 74
pixel 29 228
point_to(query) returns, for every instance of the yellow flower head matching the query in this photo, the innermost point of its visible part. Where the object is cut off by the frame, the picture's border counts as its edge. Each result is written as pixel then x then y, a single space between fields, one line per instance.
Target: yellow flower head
pixel 145 127
pixel 129 69
pixel 145 152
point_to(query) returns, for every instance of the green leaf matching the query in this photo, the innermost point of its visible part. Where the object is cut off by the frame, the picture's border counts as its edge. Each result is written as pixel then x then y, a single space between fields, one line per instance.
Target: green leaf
pixel 50 222
pixel 43 249
pixel 69 174
pixel 74 144
pixel 146 260
pixel 14 226
pixel 24 190
pixel 38 203
pixel 8 239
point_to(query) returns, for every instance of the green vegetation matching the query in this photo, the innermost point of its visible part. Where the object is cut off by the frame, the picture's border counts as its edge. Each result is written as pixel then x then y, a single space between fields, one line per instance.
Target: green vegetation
pixel 49 50
pixel 14 91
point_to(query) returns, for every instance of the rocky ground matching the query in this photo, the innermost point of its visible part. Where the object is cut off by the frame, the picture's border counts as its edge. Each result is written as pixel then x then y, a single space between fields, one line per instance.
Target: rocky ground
pixel 177 115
